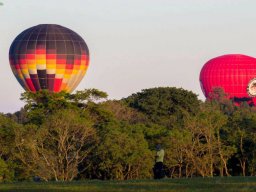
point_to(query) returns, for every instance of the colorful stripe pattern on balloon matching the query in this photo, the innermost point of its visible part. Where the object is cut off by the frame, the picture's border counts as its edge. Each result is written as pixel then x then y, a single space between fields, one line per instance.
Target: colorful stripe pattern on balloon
pixel 49 57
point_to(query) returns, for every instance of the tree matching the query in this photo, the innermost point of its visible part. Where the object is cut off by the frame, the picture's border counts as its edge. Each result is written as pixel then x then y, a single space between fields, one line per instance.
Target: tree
pixel 7 159
pixel 177 145
pixel 243 133
pixel 153 133
pixel 218 98
pixel 225 149
pixel 122 153
pixel 199 147
pixel 122 112
pixel 7 127
pixel 6 171
pixel 64 136
pixel 43 103
pixel 164 105
pixel 58 146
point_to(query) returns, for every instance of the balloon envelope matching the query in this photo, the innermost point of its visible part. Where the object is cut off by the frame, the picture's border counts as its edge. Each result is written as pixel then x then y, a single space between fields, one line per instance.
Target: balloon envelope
pixel 49 57
pixel 234 73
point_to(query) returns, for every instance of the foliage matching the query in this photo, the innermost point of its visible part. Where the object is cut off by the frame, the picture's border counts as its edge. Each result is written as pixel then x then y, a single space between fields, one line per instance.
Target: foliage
pixel 243 135
pixel 43 103
pixel 61 136
pixel 6 171
pixel 220 99
pixel 164 106
pixel 123 112
pixel 124 152
pixel 7 152
pixel 55 150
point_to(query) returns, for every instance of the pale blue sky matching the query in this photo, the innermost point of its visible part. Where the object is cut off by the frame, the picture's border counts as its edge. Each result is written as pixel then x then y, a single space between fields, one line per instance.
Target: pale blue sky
pixel 134 44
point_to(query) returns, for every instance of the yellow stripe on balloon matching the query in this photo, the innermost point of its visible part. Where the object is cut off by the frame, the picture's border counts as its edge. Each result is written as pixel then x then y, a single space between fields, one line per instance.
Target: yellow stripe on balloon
pixel 60 71
pixel 50 66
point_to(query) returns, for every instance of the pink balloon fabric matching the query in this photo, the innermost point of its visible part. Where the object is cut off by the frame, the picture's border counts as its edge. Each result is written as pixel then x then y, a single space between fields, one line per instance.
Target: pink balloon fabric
pixel 234 73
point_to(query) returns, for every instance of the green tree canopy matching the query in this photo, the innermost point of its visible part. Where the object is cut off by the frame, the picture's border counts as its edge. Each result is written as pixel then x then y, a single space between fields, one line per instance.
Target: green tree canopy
pixel 164 105
pixel 43 103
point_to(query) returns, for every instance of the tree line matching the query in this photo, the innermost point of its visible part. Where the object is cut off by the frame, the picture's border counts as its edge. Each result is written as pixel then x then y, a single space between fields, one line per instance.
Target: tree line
pixel 64 137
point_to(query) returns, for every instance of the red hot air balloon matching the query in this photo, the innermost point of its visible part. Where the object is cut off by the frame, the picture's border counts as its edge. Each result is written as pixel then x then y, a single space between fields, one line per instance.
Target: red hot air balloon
pixel 49 57
pixel 235 73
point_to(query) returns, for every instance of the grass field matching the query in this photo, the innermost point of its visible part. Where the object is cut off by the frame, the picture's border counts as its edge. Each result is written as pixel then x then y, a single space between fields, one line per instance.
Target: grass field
pixel 194 184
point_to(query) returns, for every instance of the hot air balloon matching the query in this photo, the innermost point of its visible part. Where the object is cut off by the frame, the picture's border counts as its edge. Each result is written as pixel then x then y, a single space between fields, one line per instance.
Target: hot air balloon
pixel 234 73
pixel 50 57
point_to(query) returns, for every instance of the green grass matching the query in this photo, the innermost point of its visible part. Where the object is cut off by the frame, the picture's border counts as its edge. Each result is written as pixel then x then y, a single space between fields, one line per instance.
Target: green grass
pixel 195 184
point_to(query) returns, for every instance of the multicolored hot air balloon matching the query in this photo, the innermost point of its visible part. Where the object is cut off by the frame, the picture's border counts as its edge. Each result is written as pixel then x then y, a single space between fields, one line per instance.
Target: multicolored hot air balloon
pixel 235 73
pixel 49 57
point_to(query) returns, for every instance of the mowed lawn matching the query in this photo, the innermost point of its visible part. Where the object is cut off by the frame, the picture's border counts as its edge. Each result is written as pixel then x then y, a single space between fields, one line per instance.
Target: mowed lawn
pixel 195 184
